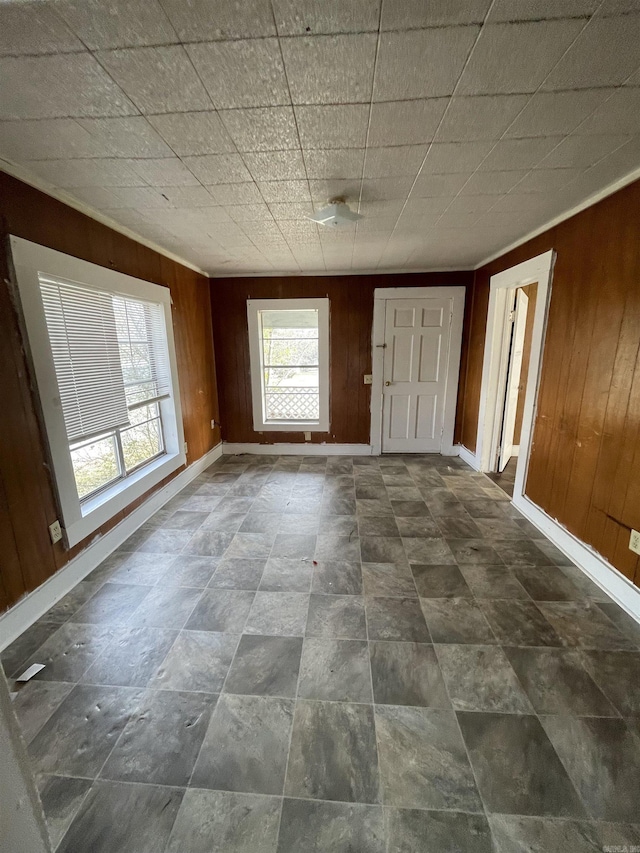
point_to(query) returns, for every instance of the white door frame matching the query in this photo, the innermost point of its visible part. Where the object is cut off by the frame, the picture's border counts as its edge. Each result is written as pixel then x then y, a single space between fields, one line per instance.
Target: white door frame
pixel 540 270
pixel 380 295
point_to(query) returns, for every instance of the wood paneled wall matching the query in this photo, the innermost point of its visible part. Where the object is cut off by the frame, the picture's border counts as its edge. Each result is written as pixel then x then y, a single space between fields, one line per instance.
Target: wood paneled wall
pixel 585 461
pixel 27 500
pixel 351 306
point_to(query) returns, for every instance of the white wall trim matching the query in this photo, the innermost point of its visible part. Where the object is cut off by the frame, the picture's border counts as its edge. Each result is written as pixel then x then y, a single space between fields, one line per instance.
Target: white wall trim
pixel 562 217
pixel 601 572
pixel 15 620
pixel 283 449
pixel 38 183
pixel 457 295
pixel 467 456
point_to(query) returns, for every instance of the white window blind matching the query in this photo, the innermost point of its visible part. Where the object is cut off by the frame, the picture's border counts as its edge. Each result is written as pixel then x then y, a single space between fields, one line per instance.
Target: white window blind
pixel 109 352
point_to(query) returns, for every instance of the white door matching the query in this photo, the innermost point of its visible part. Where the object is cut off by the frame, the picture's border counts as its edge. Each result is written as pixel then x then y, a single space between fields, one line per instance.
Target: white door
pixel 513 379
pixel 416 356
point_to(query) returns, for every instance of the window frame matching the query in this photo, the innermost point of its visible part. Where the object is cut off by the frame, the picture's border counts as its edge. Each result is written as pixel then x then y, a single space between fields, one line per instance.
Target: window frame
pixel 81 518
pixel 254 307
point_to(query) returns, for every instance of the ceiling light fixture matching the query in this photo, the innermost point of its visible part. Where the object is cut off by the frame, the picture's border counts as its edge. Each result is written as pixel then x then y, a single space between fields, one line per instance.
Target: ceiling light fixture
pixel 336 214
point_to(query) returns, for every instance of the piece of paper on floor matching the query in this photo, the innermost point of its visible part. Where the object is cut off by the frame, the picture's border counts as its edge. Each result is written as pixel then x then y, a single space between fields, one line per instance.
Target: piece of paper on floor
pixel 34 669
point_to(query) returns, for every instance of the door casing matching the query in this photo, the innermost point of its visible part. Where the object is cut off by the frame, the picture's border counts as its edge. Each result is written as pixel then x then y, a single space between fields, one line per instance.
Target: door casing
pixel 381 294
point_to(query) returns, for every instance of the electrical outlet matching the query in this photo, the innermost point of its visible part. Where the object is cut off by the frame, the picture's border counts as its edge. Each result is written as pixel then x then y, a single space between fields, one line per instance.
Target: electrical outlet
pixel 634 541
pixel 213 423
pixel 55 532
pixel 368 379
pixel 307 436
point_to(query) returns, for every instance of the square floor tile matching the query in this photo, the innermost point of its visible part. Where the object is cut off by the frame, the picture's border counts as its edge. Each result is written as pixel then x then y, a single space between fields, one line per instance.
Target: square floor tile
pixel 35 702
pixel 113 604
pixel 160 743
pixel 377 525
pixel 333 753
pixel 72 602
pixel 547 583
pixel 165 541
pixel 335 670
pixel 517 769
pixel 61 798
pixel 388 579
pixel 396 619
pixel 335 827
pixel 198 660
pixel 556 682
pixel 417 528
pixel 208 543
pixel 238 573
pixel 337 577
pixel 474 552
pixel 583 624
pixel 251 545
pixel 480 678
pixel 223 522
pixel 493 582
pixel 20 650
pixel 283 574
pixel 410 509
pixel 423 762
pixel 512 833
pixel 123 817
pixel 456 620
pixel 458 527
pixel 337 547
pixel 337 616
pixel 223 822
pixel 602 758
pixel 407 674
pixel 440 581
pixel 166 607
pixel 189 571
pixel 617 674
pixel 71 650
pixel 382 549
pixel 520 552
pixel 278 613
pixel 245 748
pixel 437 832
pixel 265 666
pixel 294 546
pixel 132 659
pixel 373 506
pixel 223 610
pixel 260 522
pixel 519 623
pixel 78 737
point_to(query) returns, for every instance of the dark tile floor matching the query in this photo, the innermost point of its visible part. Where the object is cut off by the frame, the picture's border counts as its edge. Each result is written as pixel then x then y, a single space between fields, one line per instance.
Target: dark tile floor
pixel 335 655
pixel 506 479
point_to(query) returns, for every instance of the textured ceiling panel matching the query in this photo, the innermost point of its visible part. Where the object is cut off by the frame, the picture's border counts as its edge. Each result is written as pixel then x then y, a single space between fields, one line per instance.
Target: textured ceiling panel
pixel 215 129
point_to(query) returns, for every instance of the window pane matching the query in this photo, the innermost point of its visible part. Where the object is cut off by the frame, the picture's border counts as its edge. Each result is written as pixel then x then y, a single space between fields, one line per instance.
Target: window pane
pixel 291 351
pixel 94 465
pixel 141 442
pixel 143 413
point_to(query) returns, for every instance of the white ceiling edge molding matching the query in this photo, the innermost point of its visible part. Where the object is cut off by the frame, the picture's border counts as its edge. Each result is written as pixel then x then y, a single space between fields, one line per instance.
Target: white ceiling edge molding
pixel 562 217
pixel 28 177
pixel 351 272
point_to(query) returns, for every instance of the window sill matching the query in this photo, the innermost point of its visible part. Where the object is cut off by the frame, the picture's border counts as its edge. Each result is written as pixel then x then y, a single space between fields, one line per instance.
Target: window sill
pixel 291 426
pixel 104 506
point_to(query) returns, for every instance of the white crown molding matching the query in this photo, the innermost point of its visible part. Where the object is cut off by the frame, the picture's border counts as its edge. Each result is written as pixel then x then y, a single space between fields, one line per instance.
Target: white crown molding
pixel 291 449
pixel 28 177
pixel 35 604
pixel 351 272
pixel 578 208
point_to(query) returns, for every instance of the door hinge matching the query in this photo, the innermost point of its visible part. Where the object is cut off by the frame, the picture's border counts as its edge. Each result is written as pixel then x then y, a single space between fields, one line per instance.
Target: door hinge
pixel 512 316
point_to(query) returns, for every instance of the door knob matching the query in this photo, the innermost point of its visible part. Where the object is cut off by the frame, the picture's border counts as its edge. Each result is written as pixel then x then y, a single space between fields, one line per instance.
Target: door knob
pixel 387 382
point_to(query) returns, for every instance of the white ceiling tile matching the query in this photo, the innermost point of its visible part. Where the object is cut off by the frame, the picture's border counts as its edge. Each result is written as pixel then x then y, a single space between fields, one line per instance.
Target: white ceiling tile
pixel 556 113
pixel 301 17
pixel 472 203
pixel 330 69
pixel 405 122
pixel 32 28
pixel 336 163
pixel 193 133
pixel 262 129
pixel 546 181
pixel 439 185
pixel 446 157
pixel 109 23
pixel 275 165
pixel 582 151
pixel 380 189
pixel 369 225
pixel 199 20
pixel 289 211
pixel 605 54
pixel 164 172
pixel 403 74
pixel 284 190
pixel 61 86
pixel 323 191
pixel 516 57
pixel 245 193
pixel 86 173
pixel 196 196
pixel 157 79
pixel 540 10
pixel 261 228
pixel 425 206
pixel 131 136
pixel 521 202
pixel 247 73
pixel 97 197
pixel 407 14
pixel 518 153
pixel 458 220
pixel 139 197
pixel 218 168
pixel 397 161
pixel 491 183
pixel 333 126
pixel 484 117
pixel 621 112
pixel 248 212
pixel 48 139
